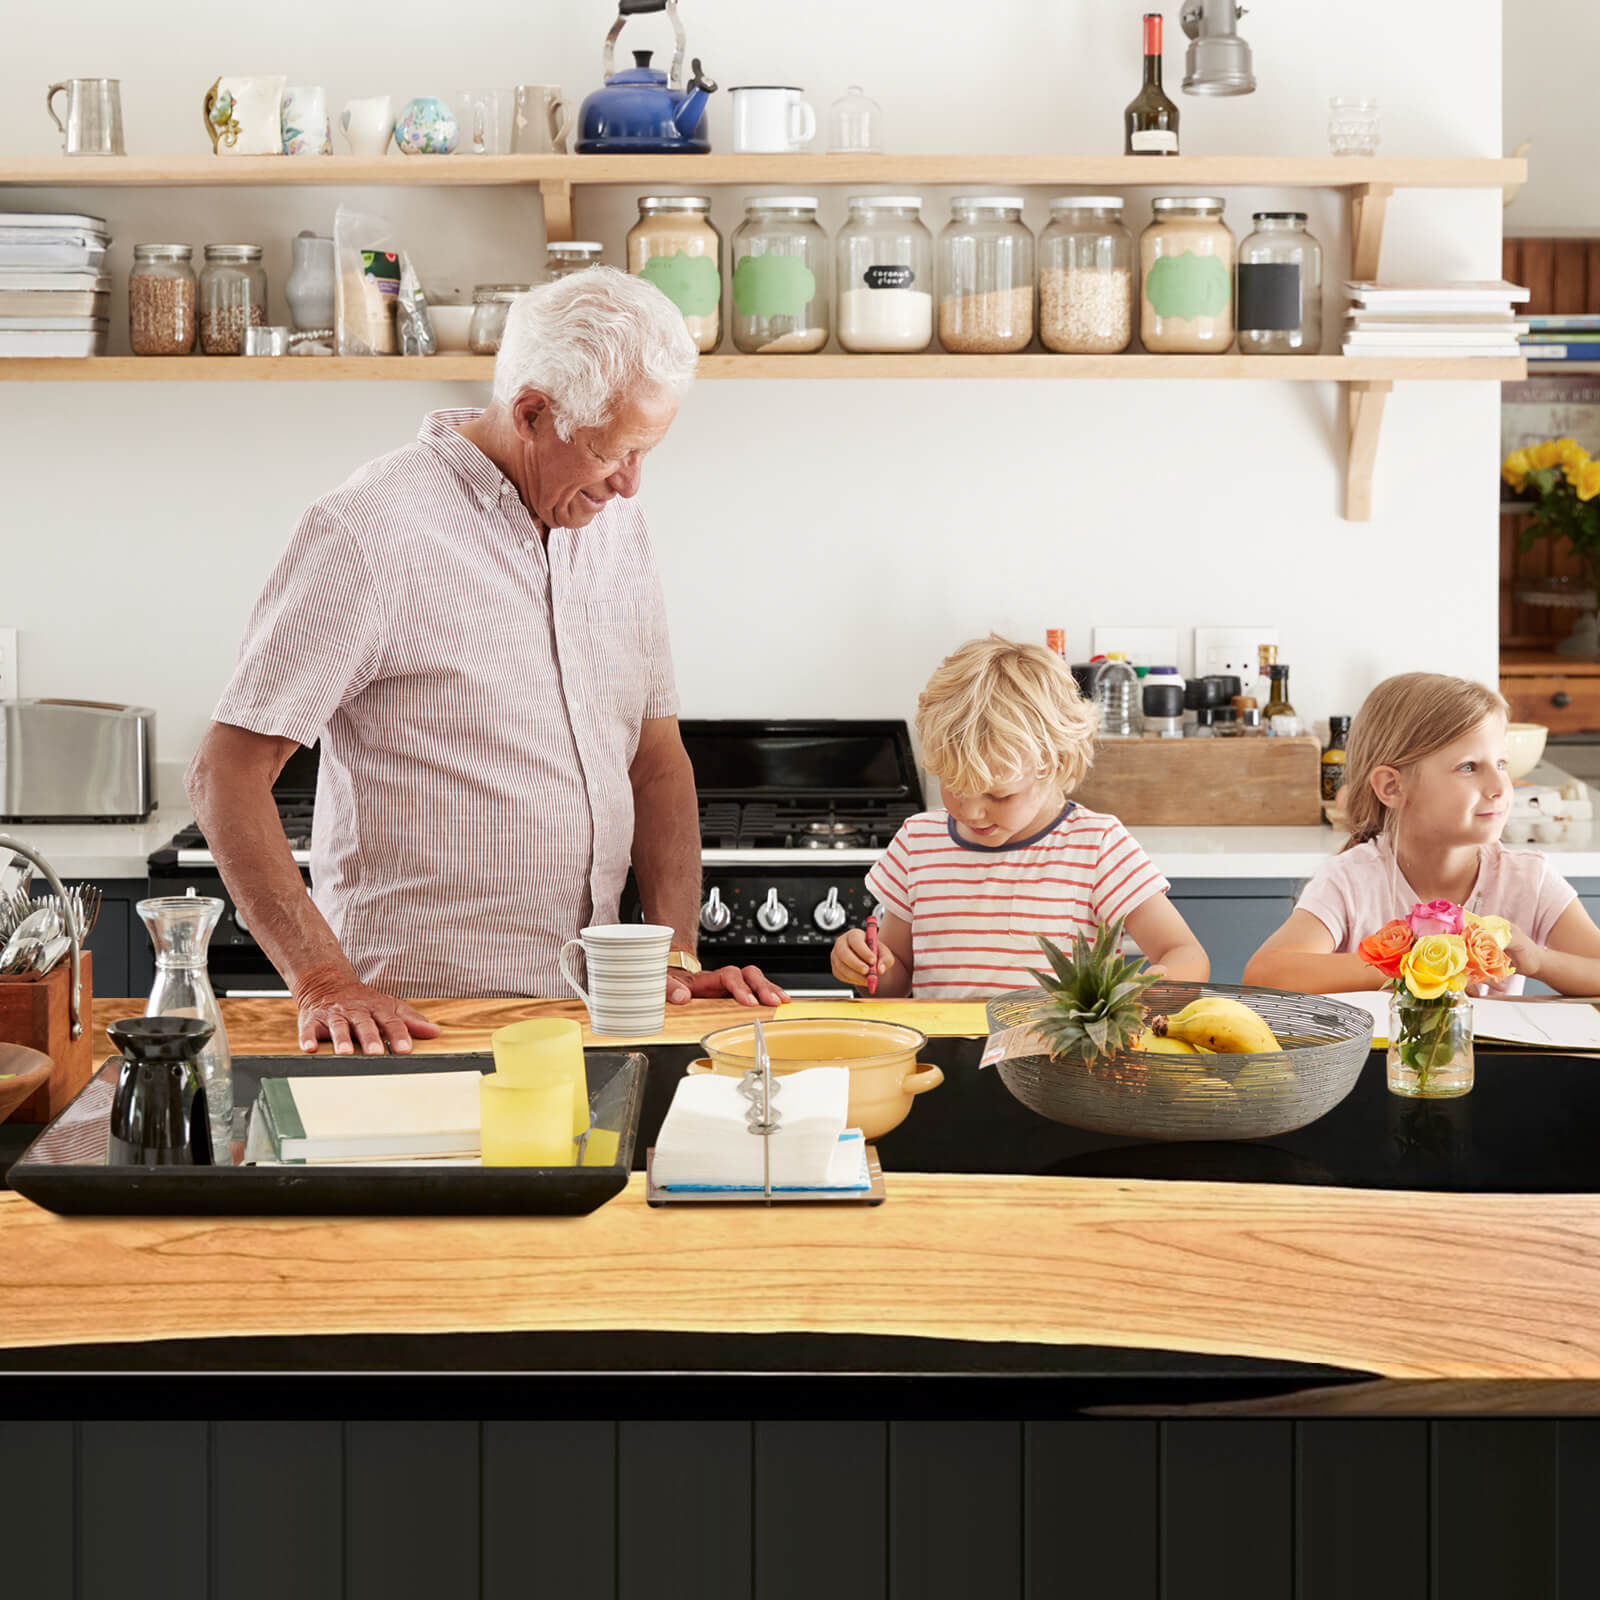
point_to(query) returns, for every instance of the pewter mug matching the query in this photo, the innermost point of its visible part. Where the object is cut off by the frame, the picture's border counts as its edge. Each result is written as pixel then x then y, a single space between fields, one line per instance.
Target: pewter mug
pixel 94 116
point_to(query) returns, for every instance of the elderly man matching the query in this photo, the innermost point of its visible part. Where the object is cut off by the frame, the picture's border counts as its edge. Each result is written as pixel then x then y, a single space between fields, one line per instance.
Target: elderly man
pixel 473 627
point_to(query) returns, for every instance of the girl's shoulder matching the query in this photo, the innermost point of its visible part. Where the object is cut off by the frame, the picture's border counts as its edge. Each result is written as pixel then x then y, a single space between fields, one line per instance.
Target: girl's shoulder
pixel 1356 862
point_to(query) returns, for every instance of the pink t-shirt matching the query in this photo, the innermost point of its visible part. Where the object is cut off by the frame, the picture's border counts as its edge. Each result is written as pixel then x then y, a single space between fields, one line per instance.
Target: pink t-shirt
pixel 1356 893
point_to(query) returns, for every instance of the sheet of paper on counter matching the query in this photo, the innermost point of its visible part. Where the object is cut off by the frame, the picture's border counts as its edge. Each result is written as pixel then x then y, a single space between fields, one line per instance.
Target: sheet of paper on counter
pixel 1539 1026
pixel 963 1019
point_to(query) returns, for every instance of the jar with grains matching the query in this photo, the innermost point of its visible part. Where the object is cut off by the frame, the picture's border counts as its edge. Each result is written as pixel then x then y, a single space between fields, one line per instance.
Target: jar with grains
pixel 233 297
pixel 162 300
pixel 563 257
pixel 985 276
pixel 884 253
pixel 1186 260
pixel 780 277
pixel 491 305
pixel 674 246
pixel 1280 287
pixel 1086 277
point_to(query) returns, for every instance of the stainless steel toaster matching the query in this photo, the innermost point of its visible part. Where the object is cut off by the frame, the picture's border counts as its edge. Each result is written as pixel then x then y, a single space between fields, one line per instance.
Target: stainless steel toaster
pixel 77 761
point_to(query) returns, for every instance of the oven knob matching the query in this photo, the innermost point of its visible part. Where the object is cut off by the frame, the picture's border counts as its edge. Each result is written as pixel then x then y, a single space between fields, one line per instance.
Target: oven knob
pixel 773 915
pixel 239 922
pixel 829 915
pixel 714 915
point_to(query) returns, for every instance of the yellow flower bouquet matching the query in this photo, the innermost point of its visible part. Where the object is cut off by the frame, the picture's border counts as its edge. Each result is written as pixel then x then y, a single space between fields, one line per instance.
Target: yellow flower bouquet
pixel 1562 484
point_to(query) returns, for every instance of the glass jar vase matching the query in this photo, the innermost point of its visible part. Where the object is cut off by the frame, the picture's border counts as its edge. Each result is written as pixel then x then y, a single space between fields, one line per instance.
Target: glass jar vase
pixel 563 257
pixel 1086 277
pixel 884 253
pixel 491 305
pixel 1186 260
pixel 985 276
pixel 233 297
pixel 1430 1046
pixel 674 246
pixel 162 300
pixel 1279 305
pixel 780 277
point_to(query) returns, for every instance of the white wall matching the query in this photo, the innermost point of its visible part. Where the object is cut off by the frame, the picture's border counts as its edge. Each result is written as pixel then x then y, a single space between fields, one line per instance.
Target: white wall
pixel 823 543
pixel 1551 47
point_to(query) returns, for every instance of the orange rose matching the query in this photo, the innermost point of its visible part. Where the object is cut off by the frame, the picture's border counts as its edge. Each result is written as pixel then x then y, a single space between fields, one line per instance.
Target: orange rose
pixel 1386 948
pixel 1486 961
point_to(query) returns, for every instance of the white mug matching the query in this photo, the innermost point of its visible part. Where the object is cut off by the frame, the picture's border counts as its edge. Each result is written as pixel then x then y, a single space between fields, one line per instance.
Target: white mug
pixel 539 120
pixel 770 120
pixel 305 123
pixel 627 964
pixel 244 116
pixel 368 125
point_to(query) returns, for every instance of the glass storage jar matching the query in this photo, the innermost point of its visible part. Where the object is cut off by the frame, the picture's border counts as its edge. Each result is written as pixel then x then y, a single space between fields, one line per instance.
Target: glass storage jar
pixel 491 305
pixel 162 297
pixel 233 297
pixel 780 277
pixel 985 276
pixel 885 259
pixel 674 246
pixel 563 257
pixel 1186 261
pixel 1279 308
pixel 1086 277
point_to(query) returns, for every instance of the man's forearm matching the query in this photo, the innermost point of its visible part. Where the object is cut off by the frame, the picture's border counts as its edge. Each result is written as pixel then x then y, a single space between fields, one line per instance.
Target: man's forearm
pixel 666 852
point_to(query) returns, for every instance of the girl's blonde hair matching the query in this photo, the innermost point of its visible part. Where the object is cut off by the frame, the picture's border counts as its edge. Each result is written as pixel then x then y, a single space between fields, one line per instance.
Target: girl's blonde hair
pixel 997 711
pixel 1405 719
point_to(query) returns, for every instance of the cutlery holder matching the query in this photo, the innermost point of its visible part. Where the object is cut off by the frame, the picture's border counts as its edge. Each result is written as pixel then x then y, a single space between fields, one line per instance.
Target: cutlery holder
pixel 37 1011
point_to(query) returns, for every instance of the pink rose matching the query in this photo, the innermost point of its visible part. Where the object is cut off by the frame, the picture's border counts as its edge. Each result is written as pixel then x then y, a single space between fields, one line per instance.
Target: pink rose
pixel 1437 916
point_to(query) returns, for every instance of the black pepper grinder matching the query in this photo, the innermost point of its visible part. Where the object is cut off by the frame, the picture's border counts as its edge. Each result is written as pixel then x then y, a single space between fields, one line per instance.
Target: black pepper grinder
pixel 158 1112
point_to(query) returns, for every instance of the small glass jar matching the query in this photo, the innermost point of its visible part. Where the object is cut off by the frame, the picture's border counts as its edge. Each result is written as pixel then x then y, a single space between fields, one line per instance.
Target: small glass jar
pixel 780 277
pixel 884 254
pixel 563 257
pixel 985 276
pixel 1186 263
pixel 162 300
pixel 1430 1046
pixel 491 305
pixel 233 297
pixel 1279 305
pixel 674 246
pixel 1086 277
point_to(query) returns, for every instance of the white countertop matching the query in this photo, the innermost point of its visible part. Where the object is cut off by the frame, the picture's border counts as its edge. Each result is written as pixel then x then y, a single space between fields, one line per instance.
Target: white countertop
pixel 104 851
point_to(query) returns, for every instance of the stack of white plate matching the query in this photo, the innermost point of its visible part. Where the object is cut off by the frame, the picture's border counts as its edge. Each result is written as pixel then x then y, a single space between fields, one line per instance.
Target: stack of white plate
pixel 54 290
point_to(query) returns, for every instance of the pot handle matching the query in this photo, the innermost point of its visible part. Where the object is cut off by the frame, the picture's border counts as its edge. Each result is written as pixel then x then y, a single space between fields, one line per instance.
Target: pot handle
pixel 697 1069
pixel 926 1076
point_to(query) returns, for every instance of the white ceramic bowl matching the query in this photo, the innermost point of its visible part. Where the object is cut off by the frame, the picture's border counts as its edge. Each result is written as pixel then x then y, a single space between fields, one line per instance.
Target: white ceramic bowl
pixel 1524 747
pixel 450 325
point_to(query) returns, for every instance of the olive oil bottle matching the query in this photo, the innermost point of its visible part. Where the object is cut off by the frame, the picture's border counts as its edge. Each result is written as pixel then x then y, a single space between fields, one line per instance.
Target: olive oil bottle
pixel 1333 759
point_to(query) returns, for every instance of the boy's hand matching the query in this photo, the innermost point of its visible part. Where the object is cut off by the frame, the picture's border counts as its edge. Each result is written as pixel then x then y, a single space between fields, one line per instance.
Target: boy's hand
pixel 852 958
pixel 1526 956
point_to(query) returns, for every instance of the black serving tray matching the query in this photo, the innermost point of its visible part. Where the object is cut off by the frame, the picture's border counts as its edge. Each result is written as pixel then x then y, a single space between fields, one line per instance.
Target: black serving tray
pixel 65 1170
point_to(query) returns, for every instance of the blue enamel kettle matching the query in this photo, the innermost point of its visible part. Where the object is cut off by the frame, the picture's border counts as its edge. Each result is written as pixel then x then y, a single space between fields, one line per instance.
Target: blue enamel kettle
pixel 644 109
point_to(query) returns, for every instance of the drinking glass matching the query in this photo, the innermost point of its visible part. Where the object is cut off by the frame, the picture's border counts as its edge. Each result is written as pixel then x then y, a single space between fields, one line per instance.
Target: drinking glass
pixel 478 111
pixel 527 1123
pixel 531 1051
pixel 1353 126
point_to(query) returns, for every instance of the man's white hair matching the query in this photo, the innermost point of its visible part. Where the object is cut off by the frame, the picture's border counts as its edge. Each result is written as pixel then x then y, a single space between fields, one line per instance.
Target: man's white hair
pixel 586 340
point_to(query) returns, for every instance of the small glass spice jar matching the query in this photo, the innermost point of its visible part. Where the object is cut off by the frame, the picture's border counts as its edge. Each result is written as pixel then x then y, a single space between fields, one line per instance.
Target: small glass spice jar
pixel 563 257
pixel 163 298
pixel 884 253
pixel 1279 308
pixel 1086 277
pixel 674 246
pixel 780 277
pixel 985 276
pixel 491 305
pixel 1186 260
pixel 233 297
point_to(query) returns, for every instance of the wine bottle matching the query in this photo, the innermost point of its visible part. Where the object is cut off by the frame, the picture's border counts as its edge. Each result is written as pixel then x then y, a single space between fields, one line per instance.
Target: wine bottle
pixel 1151 120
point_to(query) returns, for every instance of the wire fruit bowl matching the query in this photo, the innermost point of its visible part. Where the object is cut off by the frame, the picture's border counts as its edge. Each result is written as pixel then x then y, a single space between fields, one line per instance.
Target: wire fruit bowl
pixel 1138 1094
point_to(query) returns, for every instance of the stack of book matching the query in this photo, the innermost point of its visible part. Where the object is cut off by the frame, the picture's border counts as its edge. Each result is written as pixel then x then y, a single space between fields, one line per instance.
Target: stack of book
pixel 372 1117
pixel 1434 319
pixel 1572 336
pixel 54 290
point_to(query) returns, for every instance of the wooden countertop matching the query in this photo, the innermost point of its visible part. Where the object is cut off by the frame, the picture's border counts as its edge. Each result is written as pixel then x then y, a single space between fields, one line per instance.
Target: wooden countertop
pixel 1404 1285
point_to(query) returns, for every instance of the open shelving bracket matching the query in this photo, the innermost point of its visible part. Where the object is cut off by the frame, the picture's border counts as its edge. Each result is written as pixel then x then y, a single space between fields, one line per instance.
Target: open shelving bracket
pixel 556 193
pixel 1367 399
pixel 1369 205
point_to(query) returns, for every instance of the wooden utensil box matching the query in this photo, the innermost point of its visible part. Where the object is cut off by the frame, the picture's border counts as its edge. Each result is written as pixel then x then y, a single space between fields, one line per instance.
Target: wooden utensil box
pixel 37 1012
pixel 1206 783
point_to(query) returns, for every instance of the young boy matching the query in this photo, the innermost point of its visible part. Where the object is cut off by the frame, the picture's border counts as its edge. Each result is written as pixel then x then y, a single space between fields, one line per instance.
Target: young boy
pixel 967 890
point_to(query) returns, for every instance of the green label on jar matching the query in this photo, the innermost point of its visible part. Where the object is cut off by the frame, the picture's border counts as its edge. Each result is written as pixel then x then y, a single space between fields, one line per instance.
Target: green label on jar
pixel 773 286
pixel 1188 286
pixel 691 283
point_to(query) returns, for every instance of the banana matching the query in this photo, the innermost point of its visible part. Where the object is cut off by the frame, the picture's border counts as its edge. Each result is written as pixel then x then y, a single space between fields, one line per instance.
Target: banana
pixel 1214 1023
pixel 1153 1044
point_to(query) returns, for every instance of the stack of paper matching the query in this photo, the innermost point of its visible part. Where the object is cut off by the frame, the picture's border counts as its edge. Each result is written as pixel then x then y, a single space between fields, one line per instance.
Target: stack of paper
pixel 1433 319
pixel 385 1116
pixel 1534 1025
pixel 54 293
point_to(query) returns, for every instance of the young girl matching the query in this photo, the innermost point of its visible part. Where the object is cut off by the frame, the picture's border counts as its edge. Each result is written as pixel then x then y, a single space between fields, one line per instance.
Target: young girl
pixel 968 890
pixel 1426 793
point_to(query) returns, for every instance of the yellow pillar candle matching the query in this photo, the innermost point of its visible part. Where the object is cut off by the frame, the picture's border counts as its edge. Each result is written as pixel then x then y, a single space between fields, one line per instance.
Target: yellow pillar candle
pixel 530 1049
pixel 527 1123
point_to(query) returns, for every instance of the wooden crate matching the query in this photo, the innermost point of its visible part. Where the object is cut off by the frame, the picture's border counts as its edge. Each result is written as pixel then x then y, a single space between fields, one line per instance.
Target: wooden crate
pixel 37 1012
pixel 1175 783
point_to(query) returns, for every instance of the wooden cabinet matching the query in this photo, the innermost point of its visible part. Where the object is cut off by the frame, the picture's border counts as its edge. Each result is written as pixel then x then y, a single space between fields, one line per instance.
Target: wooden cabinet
pixel 1561 693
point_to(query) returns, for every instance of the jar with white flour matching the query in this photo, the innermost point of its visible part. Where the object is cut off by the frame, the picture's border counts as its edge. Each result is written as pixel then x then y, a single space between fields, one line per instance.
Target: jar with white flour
pixel 885 260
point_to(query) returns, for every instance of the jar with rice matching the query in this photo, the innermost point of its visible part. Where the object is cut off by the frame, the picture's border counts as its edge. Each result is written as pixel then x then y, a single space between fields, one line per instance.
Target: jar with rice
pixel 1086 277
pixel 674 246
pixel 1186 258
pixel 162 296
pixel 885 259
pixel 233 297
pixel 985 276
pixel 780 277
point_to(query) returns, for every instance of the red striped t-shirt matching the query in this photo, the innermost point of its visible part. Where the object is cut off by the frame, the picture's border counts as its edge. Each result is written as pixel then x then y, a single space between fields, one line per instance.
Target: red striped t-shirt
pixel 976 910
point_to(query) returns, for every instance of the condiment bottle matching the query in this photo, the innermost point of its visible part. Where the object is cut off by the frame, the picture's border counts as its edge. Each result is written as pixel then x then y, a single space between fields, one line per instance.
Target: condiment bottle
pixel 1333 768
pixel 1055 641
pixel 1114 690
pixel 1278 705
pixel 1249 714
pixel 1202 726
pixel 1163 708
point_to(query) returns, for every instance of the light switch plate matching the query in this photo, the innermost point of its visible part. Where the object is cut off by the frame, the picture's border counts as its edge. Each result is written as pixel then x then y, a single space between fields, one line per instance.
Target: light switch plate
pixel 8 664
pixel 1231 652
pixel 1144 647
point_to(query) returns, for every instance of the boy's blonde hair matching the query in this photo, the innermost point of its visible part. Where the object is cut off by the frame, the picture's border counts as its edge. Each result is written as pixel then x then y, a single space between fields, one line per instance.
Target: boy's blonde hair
pixel 996 712
pixel 1405 719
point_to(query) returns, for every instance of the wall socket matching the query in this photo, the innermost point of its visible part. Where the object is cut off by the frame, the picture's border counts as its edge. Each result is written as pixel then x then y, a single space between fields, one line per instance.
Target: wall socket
pixel 8 664
pixel 1231 652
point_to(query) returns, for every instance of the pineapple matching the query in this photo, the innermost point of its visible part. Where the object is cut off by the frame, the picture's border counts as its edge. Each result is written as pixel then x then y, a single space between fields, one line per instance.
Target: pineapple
pixel 1094 995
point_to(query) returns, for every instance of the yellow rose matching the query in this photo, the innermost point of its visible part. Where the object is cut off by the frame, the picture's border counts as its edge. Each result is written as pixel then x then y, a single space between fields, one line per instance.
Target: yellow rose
pixel 1436 965
pixel 1545 455
pixel 1570 454
pixel 1497 927
pixel 1587 483
pixel 1515 469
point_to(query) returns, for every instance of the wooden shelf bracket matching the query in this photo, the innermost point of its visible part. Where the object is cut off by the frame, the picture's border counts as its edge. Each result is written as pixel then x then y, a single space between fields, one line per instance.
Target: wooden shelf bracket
pixel 557 196
pixel 1366 421
pixel 1369 204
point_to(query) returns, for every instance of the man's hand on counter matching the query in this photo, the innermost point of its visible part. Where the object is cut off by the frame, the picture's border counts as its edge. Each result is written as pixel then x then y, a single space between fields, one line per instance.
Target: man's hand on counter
pixel 748 985
pixel 336 1006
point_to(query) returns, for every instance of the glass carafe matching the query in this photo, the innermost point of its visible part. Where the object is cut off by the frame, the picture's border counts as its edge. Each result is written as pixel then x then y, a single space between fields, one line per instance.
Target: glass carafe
pixel 180 929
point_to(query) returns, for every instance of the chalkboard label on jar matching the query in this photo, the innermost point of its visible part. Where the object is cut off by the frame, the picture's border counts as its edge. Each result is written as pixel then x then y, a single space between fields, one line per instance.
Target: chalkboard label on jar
pixel 1269 297
pixel 888 277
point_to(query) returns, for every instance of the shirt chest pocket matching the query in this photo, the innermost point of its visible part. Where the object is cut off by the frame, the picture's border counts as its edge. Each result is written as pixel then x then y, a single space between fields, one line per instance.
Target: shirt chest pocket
pixel 605 657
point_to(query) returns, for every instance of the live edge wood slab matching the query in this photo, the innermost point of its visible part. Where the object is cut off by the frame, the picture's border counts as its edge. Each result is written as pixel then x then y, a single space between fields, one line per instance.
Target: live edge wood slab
pixel 1470 1288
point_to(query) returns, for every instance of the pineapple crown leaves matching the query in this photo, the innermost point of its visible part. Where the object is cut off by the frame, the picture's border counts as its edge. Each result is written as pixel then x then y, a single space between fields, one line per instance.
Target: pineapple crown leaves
pixel 1093 995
